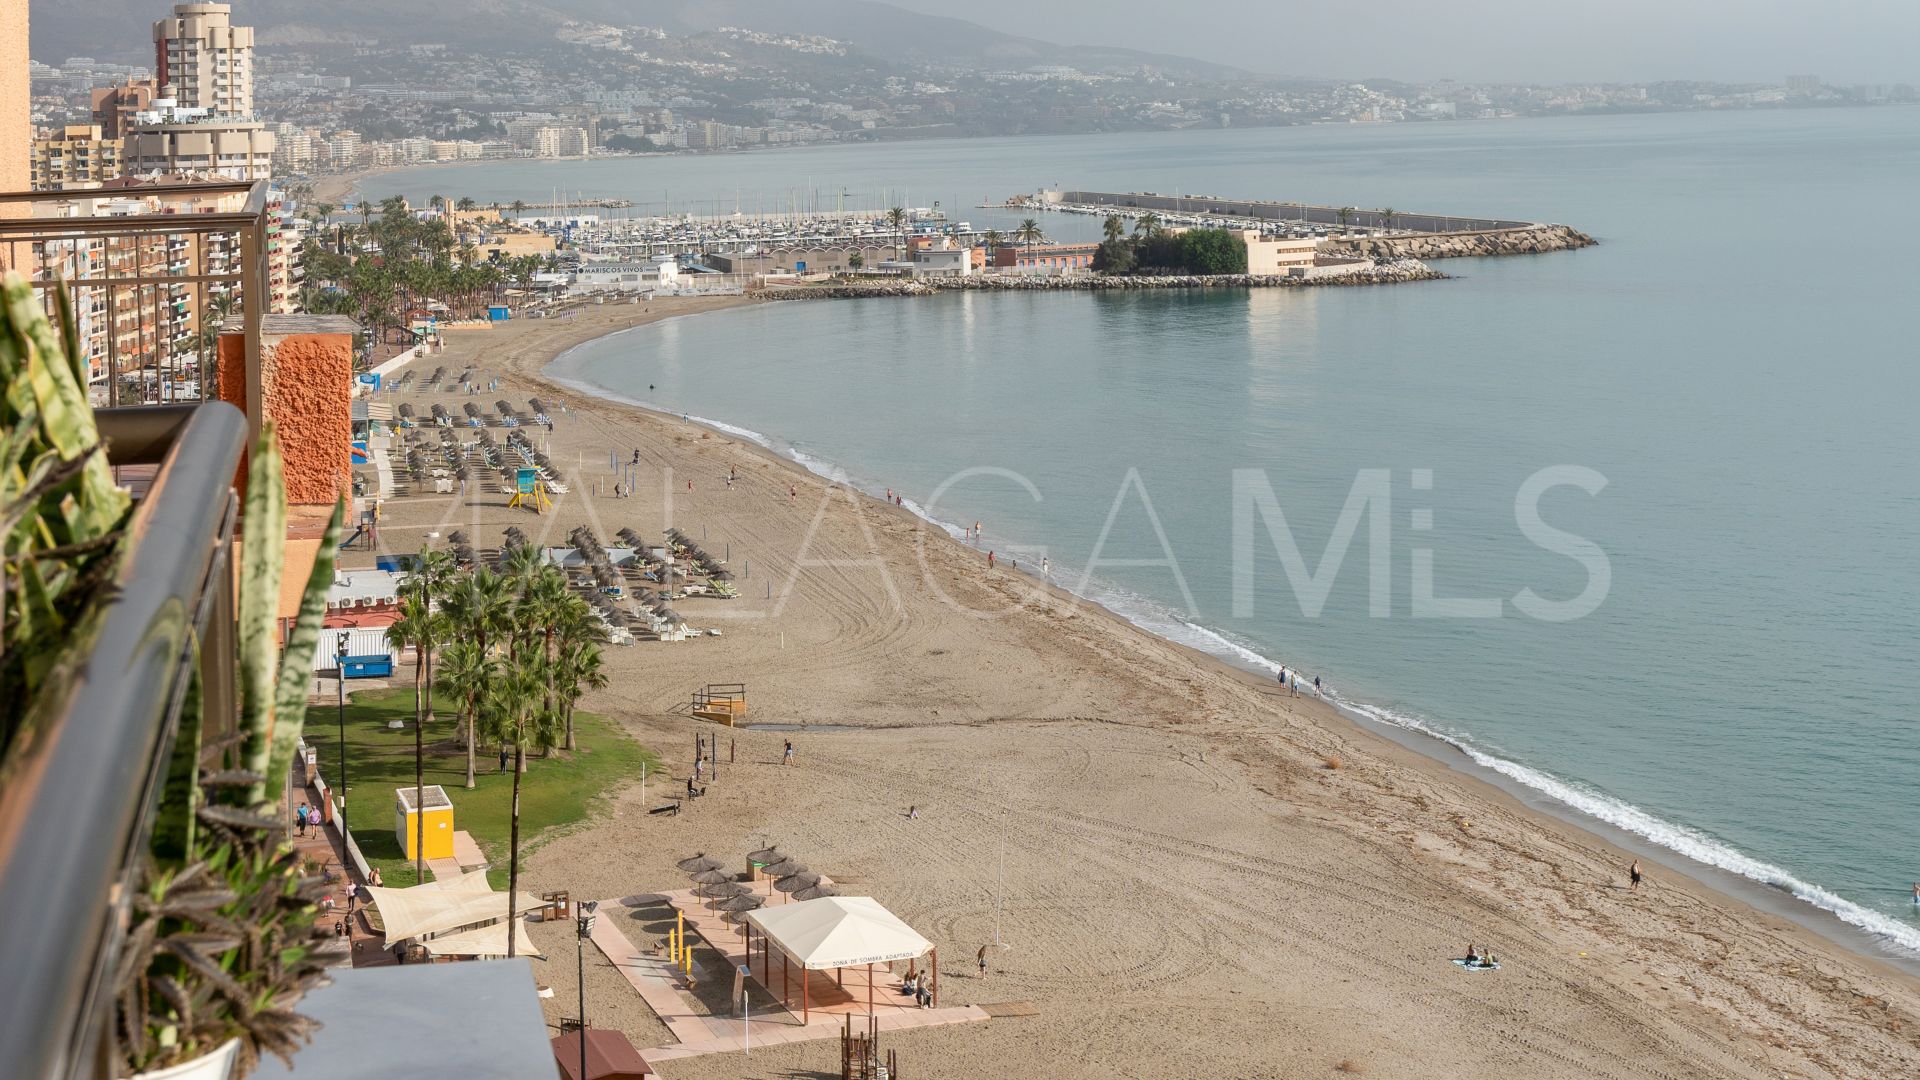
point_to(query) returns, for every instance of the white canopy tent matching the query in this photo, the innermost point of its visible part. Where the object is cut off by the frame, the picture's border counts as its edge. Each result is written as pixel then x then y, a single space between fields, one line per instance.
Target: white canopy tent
pixel 835 932
pixel 485 941
pixel 447 904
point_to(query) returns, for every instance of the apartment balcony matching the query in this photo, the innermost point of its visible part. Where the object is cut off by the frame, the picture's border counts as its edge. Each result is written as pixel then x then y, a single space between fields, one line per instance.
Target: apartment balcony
pixel 149 277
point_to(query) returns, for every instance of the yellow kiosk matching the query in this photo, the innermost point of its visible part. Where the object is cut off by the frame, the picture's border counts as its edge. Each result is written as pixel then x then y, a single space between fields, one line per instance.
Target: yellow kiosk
pixel 439 821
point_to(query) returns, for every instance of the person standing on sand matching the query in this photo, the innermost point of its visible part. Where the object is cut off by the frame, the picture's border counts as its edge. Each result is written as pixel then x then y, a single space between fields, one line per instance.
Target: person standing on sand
pixel 1316 686
pixel 913 814
pixel 1633 875
pixel 982 957
pixel 786 756
pixel 989 560
pixel 792 493
pixel 1046 568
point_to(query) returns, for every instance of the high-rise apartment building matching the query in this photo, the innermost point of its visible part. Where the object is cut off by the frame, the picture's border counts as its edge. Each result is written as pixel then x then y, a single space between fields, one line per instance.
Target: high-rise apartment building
pixel 203 61
pixel 80 156
pixel 203 125
pixel 172 139
pixel 114 106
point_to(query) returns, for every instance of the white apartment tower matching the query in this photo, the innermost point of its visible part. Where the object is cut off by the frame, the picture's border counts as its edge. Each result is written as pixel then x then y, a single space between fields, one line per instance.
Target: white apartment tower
pixel 203 61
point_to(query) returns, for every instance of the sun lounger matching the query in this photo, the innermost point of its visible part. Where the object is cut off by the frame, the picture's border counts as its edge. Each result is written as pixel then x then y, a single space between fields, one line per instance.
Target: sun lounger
pixel 669 809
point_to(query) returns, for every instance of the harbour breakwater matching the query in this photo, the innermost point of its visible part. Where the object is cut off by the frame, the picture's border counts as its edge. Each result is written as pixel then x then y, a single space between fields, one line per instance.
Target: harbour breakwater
pixel 1400 271
pixel 1526 240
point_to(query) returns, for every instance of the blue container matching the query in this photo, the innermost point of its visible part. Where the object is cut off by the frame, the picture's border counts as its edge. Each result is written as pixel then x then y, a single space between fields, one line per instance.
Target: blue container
pixel 378 665
pixel 498 313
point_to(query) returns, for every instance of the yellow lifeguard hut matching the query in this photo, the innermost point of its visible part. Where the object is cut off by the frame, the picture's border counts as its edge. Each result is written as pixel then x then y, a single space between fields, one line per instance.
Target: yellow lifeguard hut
pixel 438 811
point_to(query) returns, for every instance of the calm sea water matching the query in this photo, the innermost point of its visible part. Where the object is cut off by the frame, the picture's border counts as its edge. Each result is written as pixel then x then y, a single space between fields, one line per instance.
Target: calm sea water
pixel 1737 361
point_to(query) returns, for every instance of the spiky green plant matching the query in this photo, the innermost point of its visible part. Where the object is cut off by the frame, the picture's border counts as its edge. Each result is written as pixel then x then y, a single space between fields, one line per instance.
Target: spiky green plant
pixel 224 928
pixel 60 511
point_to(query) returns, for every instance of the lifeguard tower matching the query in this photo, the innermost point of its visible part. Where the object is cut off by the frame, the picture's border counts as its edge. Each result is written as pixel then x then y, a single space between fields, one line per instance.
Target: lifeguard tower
pixel 530 491
pixel 438 810
pixel 721 703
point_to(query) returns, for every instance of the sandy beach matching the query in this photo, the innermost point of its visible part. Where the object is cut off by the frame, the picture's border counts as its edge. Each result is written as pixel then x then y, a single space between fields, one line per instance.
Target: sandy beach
pixel 1196 873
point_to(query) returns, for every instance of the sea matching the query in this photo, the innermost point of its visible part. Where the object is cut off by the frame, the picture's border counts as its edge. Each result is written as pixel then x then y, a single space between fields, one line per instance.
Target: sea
pixel 1634 527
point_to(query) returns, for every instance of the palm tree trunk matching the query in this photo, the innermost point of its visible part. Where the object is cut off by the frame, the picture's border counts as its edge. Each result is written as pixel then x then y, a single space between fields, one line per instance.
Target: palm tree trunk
pixel 470 719
pixel 569 727
pixel 419 779
pixel 513 849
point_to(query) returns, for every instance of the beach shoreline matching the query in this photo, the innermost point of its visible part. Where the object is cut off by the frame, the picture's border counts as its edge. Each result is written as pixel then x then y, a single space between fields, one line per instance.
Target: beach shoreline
pixel 1440 751
pixel 1459 822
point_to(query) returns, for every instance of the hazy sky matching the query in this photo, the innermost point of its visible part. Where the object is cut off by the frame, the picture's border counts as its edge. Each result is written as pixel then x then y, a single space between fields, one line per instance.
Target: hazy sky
pixel 1843 41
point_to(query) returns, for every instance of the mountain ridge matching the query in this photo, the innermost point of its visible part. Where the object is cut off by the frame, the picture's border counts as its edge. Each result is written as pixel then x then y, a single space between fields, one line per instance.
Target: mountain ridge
pixel 878 29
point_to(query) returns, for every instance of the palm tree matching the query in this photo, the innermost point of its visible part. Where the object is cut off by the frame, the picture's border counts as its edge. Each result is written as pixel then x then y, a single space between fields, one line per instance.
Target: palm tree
pixel 573 651
pixel 1029 233
pixel 897 222
pixel 1114 227
pixel 423 628
pixel 581 663
pixel 856 260
pixel 519 207
pixel 466 203
pixel 1345 214
pixel 992 239
pixel 477 610
pixel 1147 224
pixel 1386 219
pixel 517 719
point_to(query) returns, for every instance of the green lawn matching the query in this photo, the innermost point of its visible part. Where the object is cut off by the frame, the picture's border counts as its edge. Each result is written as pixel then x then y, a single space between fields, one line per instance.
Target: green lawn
pixel 554 793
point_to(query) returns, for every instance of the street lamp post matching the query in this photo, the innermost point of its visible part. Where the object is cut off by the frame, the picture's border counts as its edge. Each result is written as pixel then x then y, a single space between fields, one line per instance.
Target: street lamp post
pixel 584 921
pixel 340 676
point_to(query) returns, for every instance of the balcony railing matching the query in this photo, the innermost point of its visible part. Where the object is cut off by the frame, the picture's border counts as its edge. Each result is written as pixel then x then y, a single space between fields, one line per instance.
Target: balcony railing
pixel 182 241
pixel 84 776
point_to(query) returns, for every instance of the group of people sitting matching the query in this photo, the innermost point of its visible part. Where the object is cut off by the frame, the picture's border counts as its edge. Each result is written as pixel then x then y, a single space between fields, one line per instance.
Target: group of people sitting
pixel 1477 957
pixel 918 986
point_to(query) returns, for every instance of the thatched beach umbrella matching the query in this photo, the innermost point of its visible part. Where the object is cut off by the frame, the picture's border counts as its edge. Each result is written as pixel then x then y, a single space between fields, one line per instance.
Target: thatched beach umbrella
pixel 787 865
pixel 793 883
pixel 740 903
pixel 816 892
pixel 712 877
pixel 698 863
pixel 767 856
pixel 720 890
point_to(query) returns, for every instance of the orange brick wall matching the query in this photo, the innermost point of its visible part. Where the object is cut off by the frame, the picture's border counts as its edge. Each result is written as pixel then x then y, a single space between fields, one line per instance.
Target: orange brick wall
pixel 307 388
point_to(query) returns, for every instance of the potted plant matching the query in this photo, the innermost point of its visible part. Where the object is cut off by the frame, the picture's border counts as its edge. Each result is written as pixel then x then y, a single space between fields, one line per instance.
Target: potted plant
pixel 224 923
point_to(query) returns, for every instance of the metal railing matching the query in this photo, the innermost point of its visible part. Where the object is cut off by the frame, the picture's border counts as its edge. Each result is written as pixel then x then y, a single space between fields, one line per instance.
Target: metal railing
pixel 84 778
pixel 154 270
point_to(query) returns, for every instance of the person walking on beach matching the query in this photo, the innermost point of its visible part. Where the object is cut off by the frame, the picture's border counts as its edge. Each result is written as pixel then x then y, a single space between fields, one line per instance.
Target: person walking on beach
pixel 1283 676
pixel 913 812
pixel 793 493
pixel 786 756
pixel 989 560
pixel 1046 568
pixel 1633 875
pixel 1316 686
pixel 982 957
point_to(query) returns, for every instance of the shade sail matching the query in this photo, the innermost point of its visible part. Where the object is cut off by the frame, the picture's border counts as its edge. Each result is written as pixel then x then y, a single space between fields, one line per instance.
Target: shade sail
pixel 485 941
pixel 838 931
pixel 443 905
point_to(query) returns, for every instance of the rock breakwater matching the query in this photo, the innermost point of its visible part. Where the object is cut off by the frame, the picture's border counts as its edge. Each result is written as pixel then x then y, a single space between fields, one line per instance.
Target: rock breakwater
pixel 1531 240
pixel 1399 271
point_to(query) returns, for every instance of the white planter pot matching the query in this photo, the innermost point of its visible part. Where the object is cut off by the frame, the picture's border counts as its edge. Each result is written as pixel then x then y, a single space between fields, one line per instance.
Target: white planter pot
pixel 217 1064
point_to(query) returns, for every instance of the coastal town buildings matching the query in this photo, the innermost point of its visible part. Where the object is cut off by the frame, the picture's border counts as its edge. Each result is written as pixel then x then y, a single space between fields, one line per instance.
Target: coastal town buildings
pixel 80 156
pixel 115 106
pixel 1044 258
